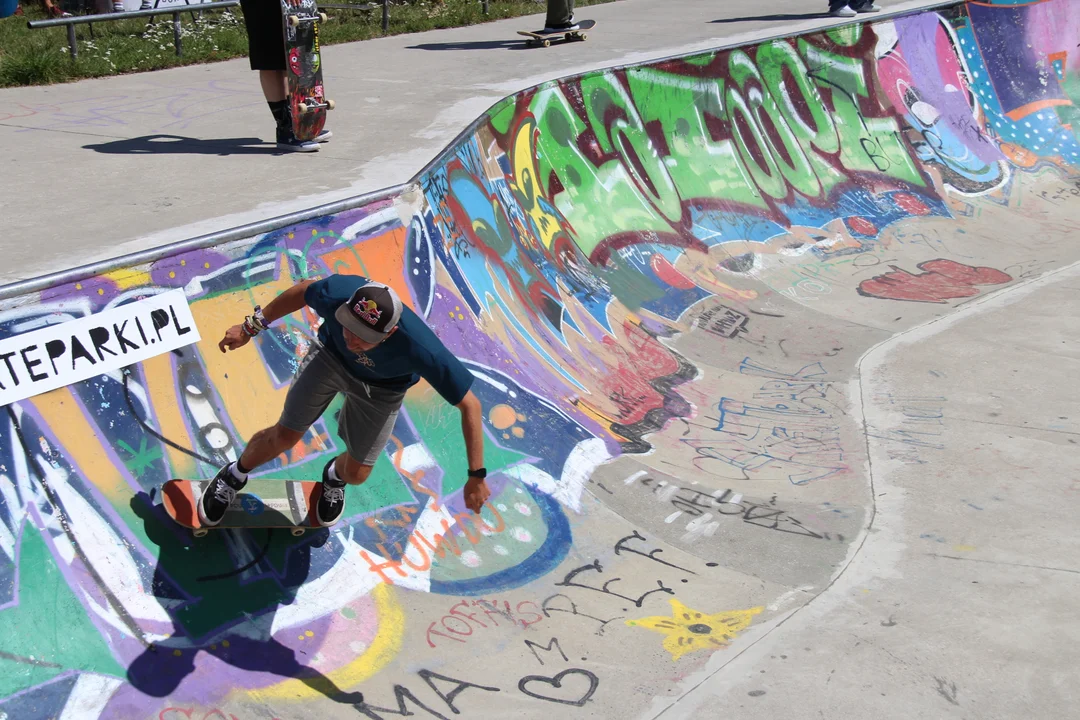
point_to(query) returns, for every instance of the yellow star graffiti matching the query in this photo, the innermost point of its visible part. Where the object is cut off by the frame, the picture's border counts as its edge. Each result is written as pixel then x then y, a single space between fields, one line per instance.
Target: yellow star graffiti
pixel 689 630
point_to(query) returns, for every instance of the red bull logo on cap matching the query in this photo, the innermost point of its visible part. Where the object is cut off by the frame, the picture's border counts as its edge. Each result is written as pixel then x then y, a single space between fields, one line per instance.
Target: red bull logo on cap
pixel 367 310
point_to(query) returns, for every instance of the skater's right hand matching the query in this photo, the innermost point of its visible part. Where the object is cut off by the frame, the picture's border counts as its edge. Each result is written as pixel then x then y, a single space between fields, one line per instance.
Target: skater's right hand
pixel 235 337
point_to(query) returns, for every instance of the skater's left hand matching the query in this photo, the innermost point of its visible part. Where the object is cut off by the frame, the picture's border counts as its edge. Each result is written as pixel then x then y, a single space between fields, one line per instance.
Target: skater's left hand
pixel 476 494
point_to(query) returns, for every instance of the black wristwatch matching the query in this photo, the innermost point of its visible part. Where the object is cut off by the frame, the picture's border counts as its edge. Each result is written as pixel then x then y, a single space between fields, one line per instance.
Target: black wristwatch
pixel 478 474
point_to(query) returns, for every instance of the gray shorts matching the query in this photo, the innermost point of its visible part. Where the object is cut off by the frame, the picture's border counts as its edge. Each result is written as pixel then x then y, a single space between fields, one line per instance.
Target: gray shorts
pixel 366 419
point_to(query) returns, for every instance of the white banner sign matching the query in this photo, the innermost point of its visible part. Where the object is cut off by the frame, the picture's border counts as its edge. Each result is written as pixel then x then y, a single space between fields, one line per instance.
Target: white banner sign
pixel 46 359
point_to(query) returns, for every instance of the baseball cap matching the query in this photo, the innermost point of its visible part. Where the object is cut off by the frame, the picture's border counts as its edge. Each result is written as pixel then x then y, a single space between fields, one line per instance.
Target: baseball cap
pixel 371 313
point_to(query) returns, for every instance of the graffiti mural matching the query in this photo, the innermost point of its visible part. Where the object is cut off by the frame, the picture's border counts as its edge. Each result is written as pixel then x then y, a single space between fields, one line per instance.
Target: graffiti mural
pixel 672 266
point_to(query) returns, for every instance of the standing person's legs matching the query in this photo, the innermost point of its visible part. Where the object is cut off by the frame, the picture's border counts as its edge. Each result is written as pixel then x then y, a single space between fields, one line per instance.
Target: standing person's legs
pixel 266 54
pixel 560 13
pixel 863 6
pixel 274 86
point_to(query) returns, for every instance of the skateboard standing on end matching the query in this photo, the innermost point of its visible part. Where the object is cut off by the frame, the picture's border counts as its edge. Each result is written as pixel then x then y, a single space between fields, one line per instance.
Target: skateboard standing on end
pixel 276 504
pixel 307 98
pixel 541 37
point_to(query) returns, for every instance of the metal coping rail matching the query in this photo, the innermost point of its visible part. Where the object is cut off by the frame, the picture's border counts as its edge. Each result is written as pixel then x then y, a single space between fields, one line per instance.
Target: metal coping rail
pixel 108 17
pixel 472 126
pixel 82 272
pixel 276 223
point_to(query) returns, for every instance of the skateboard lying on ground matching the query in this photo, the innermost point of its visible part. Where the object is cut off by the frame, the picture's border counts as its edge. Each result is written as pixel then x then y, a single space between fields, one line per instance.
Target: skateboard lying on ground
pixel 544 38
pixel 307 97
pixel 261 504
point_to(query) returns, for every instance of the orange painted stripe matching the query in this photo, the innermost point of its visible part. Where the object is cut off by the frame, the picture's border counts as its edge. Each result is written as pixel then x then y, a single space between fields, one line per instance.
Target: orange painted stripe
pixel 82 443
pixel 161 391
pixel 1031 108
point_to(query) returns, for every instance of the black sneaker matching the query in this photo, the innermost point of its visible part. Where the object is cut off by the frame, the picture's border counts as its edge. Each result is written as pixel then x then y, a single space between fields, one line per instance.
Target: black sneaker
pixel 331 500
pixel 290 143
pixel 218 495
pixel 562 27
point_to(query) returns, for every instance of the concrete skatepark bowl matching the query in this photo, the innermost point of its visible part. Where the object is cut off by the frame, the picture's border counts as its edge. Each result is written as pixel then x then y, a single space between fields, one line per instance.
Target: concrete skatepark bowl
pixel 747 327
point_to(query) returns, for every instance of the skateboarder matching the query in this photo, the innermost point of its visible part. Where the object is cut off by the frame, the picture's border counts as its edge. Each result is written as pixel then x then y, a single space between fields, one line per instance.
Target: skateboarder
pixel 266 53
pixel 370 348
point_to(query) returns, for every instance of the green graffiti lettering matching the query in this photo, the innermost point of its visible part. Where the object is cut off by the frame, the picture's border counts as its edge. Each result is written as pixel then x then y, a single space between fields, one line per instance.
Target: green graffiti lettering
pixel 699 166
pixel 789 154
pixel 585 186
pixel 867 144
pixel 787 80
pixel 620 130
pixel 761 164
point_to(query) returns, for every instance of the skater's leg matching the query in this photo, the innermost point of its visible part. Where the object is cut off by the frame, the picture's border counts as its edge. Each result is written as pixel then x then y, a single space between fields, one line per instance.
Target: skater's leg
pixel 314 387
pixel 351 471
pixel 365 423
pixel 273 84
pixel 560 13
pixel 267 444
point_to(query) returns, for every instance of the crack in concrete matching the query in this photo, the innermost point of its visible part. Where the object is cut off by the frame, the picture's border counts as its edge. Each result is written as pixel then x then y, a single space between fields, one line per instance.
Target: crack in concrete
pixel 1004 562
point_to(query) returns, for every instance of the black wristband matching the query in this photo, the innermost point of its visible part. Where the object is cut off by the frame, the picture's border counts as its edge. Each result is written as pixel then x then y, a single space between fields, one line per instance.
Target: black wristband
pixel 478 474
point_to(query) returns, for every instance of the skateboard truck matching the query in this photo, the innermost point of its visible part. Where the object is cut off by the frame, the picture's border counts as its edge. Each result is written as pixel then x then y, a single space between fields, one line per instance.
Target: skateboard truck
pixel 295 20
pixel 312 104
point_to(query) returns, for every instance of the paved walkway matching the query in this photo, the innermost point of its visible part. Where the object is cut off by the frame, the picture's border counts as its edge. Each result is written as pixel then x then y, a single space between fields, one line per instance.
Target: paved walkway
pixel 110 166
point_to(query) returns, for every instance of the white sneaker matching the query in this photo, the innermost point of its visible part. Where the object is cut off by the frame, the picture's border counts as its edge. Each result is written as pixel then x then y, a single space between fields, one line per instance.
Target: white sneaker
pixel 871 8
pixel 843 12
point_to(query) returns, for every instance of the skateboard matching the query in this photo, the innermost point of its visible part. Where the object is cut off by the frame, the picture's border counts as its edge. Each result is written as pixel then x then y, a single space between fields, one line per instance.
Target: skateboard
pixel 544 38
pixel 261 504
pixel 307 97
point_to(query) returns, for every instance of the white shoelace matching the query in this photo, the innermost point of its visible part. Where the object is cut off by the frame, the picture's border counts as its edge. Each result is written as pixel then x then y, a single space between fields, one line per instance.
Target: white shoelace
pixel 224 493
pixel 333 495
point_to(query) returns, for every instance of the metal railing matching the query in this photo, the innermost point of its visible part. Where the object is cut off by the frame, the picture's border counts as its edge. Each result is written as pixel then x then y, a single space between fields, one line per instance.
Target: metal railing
pixel 175 11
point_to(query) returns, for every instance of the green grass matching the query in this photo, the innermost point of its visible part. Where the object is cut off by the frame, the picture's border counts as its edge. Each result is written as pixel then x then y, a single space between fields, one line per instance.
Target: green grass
pixel 40 57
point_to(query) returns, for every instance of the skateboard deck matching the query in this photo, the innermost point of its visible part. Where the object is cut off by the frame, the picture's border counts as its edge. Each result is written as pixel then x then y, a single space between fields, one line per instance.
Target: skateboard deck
pixel 261 504
pixel 307 97
pixel 544 38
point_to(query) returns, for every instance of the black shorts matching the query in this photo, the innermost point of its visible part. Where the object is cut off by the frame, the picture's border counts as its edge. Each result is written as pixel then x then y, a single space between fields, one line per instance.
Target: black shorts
pixel 266 43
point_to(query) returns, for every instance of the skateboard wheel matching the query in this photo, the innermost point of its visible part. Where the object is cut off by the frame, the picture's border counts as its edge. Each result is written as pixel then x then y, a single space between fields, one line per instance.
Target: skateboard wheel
pixel 200 532
pixel 547 43
pixel 323 17
pixel 583 37
pixel 297 532
pixel 302 107
pixel 330 104
pixel 293 21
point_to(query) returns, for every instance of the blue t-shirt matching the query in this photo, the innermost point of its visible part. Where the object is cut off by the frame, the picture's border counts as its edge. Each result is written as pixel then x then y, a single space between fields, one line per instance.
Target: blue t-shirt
pixel 411 353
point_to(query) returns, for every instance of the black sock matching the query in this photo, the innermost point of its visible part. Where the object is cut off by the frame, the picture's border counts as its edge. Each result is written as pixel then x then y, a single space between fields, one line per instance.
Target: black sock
pixel 242 469
pixel 280 110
